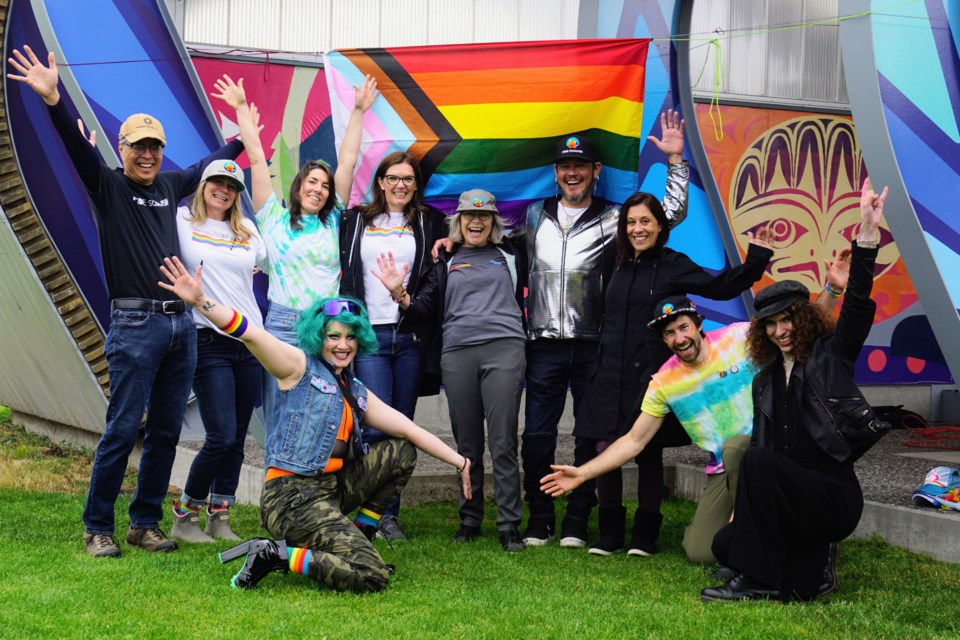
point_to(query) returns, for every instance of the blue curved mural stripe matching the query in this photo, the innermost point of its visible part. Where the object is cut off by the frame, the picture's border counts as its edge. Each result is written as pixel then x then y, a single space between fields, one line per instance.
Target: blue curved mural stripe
pixel 134 66
pixel 899 64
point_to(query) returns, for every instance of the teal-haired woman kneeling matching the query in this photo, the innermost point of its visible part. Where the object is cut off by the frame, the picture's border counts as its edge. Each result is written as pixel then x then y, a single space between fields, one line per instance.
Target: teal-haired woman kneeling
pixel 317 468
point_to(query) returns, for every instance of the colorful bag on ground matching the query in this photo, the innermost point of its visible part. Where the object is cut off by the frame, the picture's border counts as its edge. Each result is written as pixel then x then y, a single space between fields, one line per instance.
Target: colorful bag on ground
pixel 940 489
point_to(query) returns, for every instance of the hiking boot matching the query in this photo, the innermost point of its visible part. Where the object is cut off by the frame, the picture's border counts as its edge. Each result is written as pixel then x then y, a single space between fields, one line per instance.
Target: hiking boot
pixel 389 529
pixel 612 529
pixel 466 533
pixel 218 524
pixel 574 533
pixel 264 556
pixel 149 540
pixel 510 540
pixel 538 533
pixel 100 545
pixel 186 526
pixel 646 530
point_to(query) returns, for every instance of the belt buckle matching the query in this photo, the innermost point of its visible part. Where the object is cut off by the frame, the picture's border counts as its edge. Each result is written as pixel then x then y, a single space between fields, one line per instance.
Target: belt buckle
pixel 172 308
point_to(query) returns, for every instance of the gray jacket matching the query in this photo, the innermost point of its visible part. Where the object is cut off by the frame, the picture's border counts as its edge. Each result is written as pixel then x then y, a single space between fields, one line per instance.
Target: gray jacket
pixel 568 273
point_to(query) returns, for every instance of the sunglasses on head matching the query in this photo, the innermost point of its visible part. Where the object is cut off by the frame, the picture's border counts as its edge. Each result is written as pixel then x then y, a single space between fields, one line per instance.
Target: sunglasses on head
pixel 333 308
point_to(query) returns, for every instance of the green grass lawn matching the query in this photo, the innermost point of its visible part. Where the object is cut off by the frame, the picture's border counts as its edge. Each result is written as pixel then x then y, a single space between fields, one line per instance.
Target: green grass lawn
pixel 49 588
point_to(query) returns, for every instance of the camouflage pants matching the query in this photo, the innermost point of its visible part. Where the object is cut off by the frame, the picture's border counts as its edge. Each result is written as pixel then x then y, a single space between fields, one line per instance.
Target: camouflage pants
pixel 309 512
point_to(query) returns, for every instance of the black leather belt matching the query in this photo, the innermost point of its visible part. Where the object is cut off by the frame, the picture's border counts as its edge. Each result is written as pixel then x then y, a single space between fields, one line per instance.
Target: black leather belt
pixel 157 306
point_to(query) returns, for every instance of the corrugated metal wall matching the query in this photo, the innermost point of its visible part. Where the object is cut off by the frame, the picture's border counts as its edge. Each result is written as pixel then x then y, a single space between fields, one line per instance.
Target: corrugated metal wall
pixel 306 26
pixel 771 52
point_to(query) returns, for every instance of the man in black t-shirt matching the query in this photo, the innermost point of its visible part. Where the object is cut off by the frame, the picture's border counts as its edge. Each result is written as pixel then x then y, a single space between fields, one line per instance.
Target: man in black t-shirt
pixel 151 343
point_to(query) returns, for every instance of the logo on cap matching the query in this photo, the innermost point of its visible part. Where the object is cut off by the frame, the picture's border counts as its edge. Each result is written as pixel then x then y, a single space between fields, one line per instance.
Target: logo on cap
pixel 148 120
pixel 573 143
pixel 479 202
pixel 667 309
pixel 229 166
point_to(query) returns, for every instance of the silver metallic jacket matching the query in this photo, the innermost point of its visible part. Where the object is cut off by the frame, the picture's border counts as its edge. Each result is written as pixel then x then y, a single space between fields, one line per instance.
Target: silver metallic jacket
pixel 568 272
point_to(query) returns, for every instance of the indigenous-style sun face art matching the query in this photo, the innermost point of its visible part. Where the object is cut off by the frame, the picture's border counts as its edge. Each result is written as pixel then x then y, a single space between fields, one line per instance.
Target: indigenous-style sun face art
pixel 803 178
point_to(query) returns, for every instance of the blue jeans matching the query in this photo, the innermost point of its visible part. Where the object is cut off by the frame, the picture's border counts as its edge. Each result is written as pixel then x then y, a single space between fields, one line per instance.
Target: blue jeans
pixel 151 358
pixel 552 365
pixel 393 375
pixel 281 323
pixel 226 383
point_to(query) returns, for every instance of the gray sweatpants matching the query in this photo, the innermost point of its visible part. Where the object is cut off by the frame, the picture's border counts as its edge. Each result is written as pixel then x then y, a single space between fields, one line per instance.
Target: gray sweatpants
pixel 485 381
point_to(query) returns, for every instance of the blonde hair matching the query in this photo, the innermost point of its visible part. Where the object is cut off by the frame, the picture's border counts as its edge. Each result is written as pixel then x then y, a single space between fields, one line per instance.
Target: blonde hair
pixel 496 232
pixel 198 214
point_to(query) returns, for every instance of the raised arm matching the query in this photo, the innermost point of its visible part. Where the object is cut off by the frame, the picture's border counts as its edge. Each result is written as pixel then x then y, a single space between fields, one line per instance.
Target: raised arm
pixel 625 449
pixel 382 416
pixel 838 274
pixel 350 146
pixel 858 310
pixel 247 120
pixel 678 172
pixel 44 80
pixel 283 361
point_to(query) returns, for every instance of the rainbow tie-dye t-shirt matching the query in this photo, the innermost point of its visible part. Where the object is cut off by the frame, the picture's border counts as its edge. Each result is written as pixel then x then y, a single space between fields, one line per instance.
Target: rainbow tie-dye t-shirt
pixel 713 402
pixel 304 265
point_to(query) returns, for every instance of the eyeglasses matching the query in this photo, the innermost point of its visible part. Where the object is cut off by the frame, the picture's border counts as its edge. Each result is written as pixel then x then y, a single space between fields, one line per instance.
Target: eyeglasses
pixel 408 181
pixel 332 308
pixel 483 216
pixel 140 149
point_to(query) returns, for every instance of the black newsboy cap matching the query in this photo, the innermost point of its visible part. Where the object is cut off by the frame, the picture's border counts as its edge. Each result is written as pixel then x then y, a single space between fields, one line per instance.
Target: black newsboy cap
pixel 779 296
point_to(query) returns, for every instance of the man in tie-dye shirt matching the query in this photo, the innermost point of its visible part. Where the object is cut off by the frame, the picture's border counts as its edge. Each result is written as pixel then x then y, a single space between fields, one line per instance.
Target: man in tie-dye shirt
pixel 707 385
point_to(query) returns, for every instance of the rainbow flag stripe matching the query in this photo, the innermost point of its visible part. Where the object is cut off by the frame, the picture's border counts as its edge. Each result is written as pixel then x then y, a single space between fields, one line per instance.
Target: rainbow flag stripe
pixel 489 115
pixel 201 238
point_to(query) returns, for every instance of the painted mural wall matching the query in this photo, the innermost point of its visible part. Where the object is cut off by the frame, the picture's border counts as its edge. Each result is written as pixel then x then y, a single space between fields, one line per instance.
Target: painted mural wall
pixel 801 173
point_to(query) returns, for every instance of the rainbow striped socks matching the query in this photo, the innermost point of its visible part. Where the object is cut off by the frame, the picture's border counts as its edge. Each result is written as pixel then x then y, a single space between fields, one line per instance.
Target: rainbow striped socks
pixel 299 560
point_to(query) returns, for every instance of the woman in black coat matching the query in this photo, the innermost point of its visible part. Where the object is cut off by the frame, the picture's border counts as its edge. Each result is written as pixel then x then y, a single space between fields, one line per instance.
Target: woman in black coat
pixel 647 272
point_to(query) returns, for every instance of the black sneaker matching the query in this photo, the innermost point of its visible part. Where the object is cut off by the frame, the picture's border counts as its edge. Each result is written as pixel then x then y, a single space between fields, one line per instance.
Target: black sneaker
pixel 574 534
pixel 539 533
pixel 466 533
pixel 510 540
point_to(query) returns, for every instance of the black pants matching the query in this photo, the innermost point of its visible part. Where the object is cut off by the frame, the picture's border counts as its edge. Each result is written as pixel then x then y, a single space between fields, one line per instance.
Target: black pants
pixel 785 517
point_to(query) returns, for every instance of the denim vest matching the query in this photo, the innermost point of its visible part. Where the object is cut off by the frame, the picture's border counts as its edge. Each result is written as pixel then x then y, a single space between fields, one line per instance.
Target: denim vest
pixel 307 421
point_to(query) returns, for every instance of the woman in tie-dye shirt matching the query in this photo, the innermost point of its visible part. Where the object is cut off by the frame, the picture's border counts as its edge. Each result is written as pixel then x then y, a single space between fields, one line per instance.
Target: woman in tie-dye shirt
pixel 301 238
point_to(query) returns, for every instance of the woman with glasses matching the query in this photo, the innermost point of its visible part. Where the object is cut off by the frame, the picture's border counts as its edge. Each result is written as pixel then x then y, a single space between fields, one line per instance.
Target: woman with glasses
pixel 396 221
pixel 475 294
pixel 214 232
pixel 301 238
pixel 318 471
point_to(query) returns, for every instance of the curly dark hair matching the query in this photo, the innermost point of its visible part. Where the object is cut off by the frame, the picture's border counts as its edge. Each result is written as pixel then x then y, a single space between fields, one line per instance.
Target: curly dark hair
pixel 810 321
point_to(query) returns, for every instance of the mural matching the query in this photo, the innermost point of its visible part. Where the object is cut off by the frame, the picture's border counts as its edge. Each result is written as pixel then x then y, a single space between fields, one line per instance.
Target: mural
pixel 294 110
pixel 801 173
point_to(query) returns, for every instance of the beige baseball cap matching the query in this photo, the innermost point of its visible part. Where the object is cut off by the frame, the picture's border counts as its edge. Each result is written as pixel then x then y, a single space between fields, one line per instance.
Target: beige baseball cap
pixel 140 126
